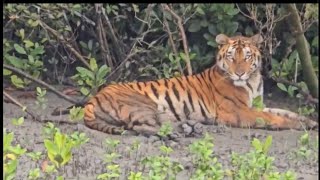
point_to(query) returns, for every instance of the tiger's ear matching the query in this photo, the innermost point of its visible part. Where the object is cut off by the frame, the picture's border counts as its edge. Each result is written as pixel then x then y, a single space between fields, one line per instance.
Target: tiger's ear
pixel 222 39
pixel 257 39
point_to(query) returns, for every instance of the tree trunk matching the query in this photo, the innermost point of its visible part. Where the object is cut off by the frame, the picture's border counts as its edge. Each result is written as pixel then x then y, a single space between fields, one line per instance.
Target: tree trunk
pixel 302 45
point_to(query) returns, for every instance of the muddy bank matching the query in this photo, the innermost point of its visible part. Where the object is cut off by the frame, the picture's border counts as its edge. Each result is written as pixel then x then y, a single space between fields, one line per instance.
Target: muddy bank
pixel 87 161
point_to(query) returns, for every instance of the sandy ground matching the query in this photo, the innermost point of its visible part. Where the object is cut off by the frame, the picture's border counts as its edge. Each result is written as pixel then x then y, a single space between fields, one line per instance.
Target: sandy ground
pixel 87 161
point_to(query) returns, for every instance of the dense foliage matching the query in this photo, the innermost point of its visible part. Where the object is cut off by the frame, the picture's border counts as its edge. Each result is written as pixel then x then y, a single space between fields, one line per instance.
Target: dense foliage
pixel 138 42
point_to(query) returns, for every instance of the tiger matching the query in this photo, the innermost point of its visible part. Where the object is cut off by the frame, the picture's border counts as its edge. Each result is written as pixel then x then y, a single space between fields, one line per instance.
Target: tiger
pixel 221 94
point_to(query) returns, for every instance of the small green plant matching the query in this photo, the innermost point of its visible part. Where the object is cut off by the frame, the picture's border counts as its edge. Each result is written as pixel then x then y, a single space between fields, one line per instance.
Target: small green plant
pixel 34 174
pixel 18 121
pixel 111 144
pixel 165 129
pixel 206 166
pixel 256 164
pixel 78 138
pixel 161 166
pixel 258 103
pixel 135 148
pixel 290 89
pixel 135 176
pixel 306 110
pixel 307 150
pixel 35 156
pixel 76 113
pixel 10 155
pixel 92 78
pixel 49 130
pixel 113 171
pixel 112 168
pixel 60 148
pixel 41 100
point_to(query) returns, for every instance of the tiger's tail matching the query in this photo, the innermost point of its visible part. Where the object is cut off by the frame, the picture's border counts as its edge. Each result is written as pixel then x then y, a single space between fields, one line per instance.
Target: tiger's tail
pixel 291 115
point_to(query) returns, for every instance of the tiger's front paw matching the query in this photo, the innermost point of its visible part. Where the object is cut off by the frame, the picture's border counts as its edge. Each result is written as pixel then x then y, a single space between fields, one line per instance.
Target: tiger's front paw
pixel 192 128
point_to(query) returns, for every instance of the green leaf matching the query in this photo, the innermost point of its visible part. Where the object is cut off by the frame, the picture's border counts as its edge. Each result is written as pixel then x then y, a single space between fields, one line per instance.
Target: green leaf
pixel 256 144
pixel 212 29
pixel 31 59
pixel 291 90
pixel 258 103
pixel 183 56
pixel 6 72
pixel 21 32
pixel 19 49
pixel 233 27
pixel 85 72
pixel 60 178
pixel 17 150
pixel 90 45
pixel 304 139
pixel 50 146
pixel 84 91
pixel 194 27
pixel 93 64
pixel 200 11
pixel 18 121
pixel 102 72
pixel 28 43
pixel 233 11
pixel 37 50
pixel 282 87
pixel 16 62
pixel 17 81
pixel 7 139
pixel 34 23
pixel 267 144
pixel 84 45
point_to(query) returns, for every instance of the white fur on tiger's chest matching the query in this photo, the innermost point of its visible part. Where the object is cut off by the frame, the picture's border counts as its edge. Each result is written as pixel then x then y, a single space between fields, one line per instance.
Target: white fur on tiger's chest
pixel 254 87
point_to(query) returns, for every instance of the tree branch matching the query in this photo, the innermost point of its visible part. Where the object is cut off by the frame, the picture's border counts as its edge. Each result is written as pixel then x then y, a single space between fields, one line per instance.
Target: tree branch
pixel 174 49
pixel 32 114
pixel 102 38
pixel 61 38
pixel 117 48
pixel 183 35
pixel 295 27
pixel 49 87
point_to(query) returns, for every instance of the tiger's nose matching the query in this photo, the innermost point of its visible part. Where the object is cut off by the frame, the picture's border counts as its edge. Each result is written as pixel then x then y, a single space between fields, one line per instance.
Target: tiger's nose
pixel 239 73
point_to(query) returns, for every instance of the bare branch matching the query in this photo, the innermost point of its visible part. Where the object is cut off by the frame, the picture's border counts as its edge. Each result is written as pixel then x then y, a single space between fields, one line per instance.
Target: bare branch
pixel 32 114
pixel 49 87
pixel 115 41
pixel 61 38
pixel 102 38
pixel 183 35
pixel 165 23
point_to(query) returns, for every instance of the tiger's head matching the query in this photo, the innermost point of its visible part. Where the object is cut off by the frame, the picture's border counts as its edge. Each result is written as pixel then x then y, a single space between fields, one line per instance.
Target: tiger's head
pixel 239 57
